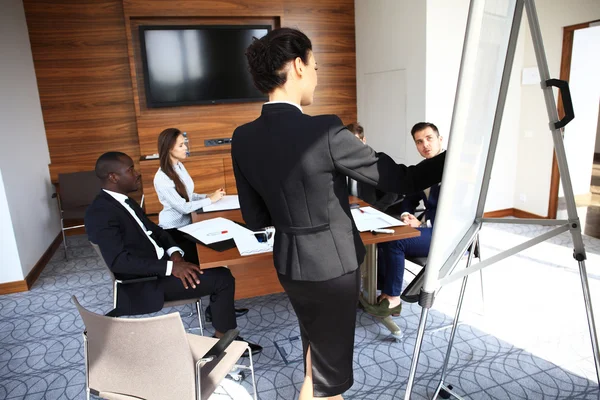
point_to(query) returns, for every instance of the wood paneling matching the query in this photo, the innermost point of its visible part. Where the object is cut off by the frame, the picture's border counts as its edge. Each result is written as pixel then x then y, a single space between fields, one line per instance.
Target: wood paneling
pixel 209 173
pixel 80 56
pixel 91 84
pixel 202 8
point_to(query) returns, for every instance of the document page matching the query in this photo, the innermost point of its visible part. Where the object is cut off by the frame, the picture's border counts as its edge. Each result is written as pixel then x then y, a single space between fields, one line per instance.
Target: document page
pixel 231 202
pixel 214 230
pixel 247 244
pixel 368 218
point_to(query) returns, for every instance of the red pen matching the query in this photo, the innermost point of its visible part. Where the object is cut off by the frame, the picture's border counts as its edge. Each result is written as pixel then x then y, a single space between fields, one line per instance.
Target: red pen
pixel 361 211
pixel 216 233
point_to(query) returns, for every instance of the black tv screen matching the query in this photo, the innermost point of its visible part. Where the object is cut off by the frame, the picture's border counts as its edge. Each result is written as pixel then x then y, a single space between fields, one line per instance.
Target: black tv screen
pixel 198 64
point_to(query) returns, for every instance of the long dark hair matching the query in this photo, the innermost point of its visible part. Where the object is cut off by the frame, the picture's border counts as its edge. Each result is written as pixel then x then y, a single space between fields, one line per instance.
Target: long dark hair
pixel 166 142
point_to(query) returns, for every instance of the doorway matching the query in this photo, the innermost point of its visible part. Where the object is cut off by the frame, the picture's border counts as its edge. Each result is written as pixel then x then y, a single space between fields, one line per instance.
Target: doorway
pixel 579 66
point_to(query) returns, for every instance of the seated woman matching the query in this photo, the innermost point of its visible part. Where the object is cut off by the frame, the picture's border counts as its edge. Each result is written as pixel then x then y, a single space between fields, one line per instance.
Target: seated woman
pixel 175 189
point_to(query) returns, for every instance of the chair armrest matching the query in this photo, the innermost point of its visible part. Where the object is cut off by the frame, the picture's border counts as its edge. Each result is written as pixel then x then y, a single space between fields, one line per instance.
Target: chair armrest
pixel 112 313
pixel 222 344
pixel 136 280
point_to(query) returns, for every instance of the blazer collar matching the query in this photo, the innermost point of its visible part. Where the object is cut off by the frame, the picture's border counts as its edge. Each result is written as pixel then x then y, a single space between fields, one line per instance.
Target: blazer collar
pixel 121 208
pixel 279 108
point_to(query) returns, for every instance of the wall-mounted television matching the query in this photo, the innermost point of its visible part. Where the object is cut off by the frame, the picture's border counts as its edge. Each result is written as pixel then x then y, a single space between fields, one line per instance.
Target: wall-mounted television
pixel 200 64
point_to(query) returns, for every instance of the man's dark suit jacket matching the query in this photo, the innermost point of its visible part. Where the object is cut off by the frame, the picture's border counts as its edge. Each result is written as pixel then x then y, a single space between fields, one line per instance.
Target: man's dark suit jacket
pixel 385 202
pixel 411 202
pixel 128 252
pixel 291 168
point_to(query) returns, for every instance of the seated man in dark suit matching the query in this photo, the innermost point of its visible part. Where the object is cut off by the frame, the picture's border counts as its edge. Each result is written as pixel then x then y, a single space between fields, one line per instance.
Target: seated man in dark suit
pixel 135 247
pixel 391 255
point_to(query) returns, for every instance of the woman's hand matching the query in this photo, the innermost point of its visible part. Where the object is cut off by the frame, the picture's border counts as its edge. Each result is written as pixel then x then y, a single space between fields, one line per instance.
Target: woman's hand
pixel 217 195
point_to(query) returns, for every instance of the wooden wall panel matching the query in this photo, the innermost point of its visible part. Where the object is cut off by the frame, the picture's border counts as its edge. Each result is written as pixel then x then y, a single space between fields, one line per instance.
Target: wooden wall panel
pixel 87 73
pixel 186 8
pixel 80 56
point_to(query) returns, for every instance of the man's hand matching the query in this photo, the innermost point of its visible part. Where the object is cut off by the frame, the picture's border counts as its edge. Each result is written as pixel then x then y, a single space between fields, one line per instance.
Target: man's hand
pixel 188 273
pixel 411 220
pixel 176 256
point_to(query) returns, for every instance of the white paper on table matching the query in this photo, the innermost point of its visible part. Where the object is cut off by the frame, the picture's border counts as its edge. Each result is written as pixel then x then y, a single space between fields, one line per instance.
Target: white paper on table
pixel 231 202
pixel 247 244
pixel 371 219
pixel 215 230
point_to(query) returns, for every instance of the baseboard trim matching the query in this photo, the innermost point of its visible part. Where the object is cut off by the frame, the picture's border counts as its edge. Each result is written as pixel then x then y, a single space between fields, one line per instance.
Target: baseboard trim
pixel 35 272
pixel 511 212
pixel 26 284
pixel 525 214
pixel 13 287
pixel 507 212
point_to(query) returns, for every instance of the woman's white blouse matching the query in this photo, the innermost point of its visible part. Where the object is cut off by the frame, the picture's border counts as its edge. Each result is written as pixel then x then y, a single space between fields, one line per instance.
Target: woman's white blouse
pixel 176 210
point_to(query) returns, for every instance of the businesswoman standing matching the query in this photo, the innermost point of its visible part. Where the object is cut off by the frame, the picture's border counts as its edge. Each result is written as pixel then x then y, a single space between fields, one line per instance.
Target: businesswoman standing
pixel 175 189
pixel 290 169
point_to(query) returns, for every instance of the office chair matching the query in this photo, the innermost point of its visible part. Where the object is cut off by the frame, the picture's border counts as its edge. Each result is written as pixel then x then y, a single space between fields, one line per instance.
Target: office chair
pixel 175 303
pixel 75 193
pixel 154 358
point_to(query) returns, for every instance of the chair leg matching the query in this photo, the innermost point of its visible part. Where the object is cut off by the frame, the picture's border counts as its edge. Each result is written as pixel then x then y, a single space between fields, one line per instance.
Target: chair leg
pixel 252 371
pixel 115 294
pixel 199 311
pixel 87 367
pixel 62 227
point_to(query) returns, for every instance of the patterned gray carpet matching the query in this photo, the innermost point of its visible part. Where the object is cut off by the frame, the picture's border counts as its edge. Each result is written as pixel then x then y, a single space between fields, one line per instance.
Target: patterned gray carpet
pixel 41 351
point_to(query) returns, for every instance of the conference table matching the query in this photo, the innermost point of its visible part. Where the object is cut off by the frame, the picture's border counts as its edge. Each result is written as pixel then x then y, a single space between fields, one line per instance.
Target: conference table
pixel 255 274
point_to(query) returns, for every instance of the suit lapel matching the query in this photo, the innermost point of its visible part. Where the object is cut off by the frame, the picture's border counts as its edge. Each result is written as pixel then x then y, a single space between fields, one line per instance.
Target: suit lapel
pixel 122 210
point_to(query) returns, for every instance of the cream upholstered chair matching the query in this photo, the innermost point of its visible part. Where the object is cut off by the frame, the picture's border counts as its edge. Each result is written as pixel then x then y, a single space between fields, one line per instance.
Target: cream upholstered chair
pixel 116 282
pixel 154 358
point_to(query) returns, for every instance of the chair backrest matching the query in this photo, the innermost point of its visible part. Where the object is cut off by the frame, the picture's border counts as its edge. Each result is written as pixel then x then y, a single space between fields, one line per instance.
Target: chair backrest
pixel 97 248
pixel 78 189
pixel 144 357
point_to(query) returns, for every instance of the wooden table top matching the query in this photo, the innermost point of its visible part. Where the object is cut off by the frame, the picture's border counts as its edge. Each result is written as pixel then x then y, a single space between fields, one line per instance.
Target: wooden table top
pixel 210 258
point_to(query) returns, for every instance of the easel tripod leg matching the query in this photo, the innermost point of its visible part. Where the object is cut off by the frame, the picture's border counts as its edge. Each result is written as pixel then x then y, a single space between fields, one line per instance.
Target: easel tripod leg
pixel 461 297
pixel 590 317
pixel 416 352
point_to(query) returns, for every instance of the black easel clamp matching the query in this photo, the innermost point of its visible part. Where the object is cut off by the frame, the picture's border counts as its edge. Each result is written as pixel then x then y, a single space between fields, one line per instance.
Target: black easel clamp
pixel 565 93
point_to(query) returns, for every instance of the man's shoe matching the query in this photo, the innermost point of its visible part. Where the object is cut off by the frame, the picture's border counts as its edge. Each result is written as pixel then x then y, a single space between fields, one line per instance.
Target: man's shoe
pixel 382 309
pixel 254 348
pixel 238 313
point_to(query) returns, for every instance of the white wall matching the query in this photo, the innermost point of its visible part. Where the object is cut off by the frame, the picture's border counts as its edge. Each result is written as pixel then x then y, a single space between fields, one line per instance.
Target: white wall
pixel 535 141
pixel 24 155
pixel 446 24
pixel 598 132
pixel 390 73
pixel 584 82
pixel 445 33
pixel 11 264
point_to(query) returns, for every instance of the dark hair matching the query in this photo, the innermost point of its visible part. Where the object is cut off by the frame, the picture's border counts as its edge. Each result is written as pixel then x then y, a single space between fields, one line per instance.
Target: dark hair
pixel 268 55
pixel 357 129
pixel 423 125
pixel 166 142
pixel 107 163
